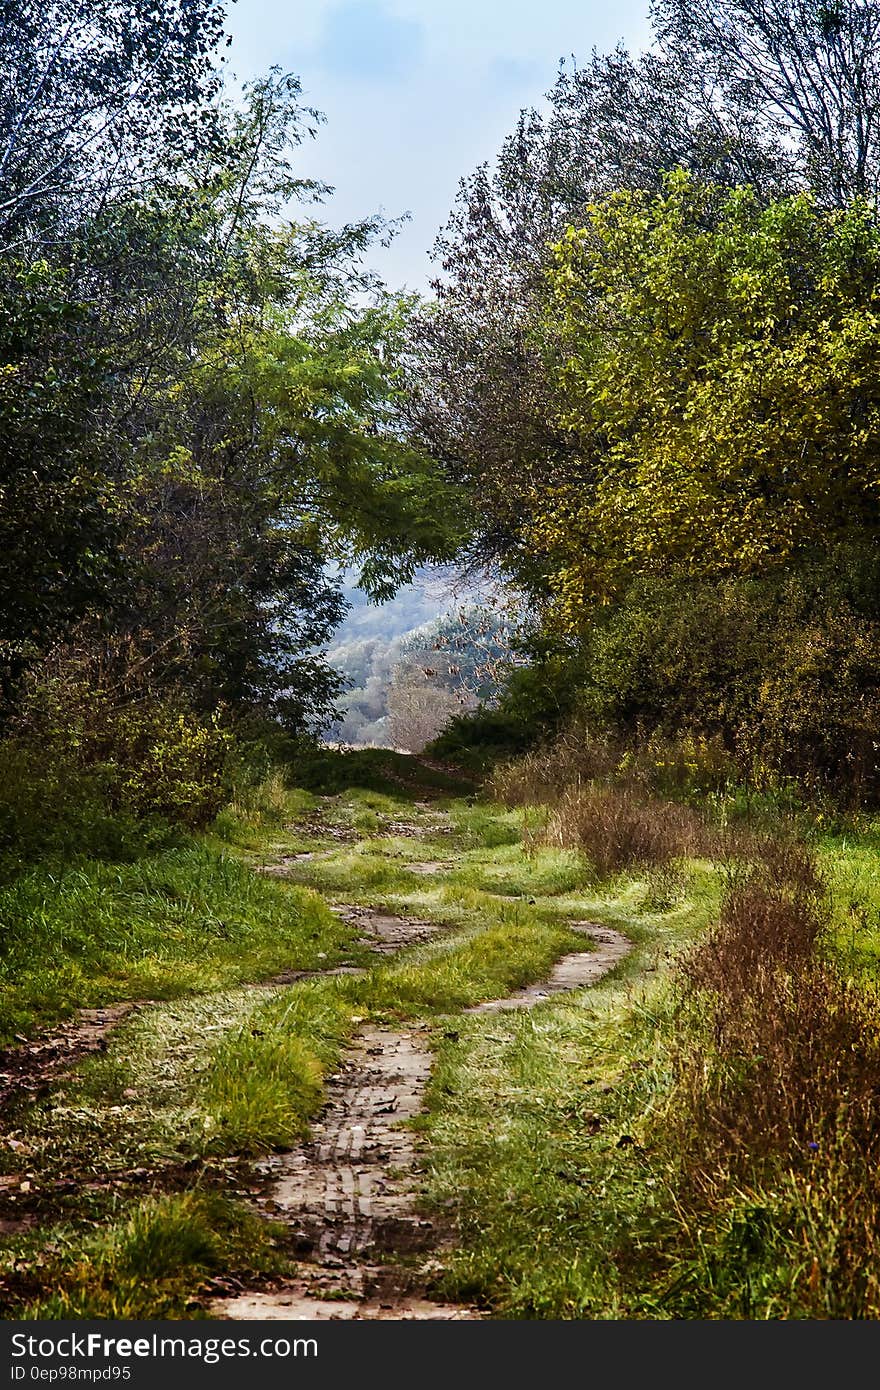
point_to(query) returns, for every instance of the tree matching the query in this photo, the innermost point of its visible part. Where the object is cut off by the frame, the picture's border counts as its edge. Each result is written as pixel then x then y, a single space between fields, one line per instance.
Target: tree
pixel 98 97
pixel 418 709
pixel 255 412
pixel 480 397
pixel 472 649
pixel 718 367
pixel 58 524
pixel 781 96
pixel 98 102
pixel 808 69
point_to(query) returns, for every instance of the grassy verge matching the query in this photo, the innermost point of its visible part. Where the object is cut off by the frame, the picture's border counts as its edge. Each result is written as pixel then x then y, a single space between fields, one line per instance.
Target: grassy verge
pixel 694 1143
pixel 145 1260
pixel 541 1131
pixel 186 920
pixel 569 1139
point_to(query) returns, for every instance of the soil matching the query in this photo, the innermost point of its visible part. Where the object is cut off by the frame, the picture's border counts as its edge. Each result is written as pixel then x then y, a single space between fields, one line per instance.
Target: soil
pixel 574 971
pixel 385 932
pixel 32 1067
pixel 350 1196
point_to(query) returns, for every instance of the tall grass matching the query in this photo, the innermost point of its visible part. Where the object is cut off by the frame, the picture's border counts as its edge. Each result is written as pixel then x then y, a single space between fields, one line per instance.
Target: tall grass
pixel 771 1128
pixel 776 1111
pixel 147 1263
pixel 686 768
pixel 616 829
pixel 184 920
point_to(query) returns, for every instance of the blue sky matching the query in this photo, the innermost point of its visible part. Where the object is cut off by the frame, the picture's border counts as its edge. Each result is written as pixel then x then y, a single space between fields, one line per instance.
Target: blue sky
pixel 418 92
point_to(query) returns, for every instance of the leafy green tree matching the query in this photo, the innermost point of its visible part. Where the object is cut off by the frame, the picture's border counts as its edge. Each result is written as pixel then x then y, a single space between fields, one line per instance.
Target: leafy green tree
pixel 481 400
pixel 58 522
pixel 717 364
pixel 255 418
pixel 781 96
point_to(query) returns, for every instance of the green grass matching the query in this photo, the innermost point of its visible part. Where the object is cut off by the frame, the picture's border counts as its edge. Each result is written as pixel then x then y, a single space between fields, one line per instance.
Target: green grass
pixel 261 808
pixel 511 948
pixel 540 1132
pixel 851 864
pixel 330 770
pixel 241 1070
pixel 149 1261
pixel 207 1078
pixel 556 1138
pixel 235 1072
pixel 548 1132
pixel 264 1080
pixel 188 919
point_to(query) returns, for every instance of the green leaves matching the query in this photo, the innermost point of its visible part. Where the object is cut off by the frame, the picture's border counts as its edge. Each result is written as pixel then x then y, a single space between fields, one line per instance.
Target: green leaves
pixel 203 401
pixel 717 364
pixel 57 504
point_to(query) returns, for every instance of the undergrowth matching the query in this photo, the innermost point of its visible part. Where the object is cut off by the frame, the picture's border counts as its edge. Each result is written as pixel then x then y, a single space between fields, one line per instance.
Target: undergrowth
pixel 151 1261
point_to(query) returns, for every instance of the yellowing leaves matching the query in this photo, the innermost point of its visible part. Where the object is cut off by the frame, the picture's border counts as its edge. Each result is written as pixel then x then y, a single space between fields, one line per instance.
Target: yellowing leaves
pixel 719 365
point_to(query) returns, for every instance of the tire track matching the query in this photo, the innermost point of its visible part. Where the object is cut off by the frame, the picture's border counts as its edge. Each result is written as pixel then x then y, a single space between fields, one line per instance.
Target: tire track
pixel 351 1195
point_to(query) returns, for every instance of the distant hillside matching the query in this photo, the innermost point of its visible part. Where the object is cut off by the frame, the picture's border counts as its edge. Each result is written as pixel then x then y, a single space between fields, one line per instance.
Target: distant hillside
pixel 415 604
pixel 367 644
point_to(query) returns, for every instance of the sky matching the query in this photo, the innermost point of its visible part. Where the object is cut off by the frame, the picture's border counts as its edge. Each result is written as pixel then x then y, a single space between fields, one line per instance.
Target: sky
pixel 417 93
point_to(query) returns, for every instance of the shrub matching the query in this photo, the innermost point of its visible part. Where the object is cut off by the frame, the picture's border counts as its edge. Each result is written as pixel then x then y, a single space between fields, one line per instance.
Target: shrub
pixel 539 699
pixel 167 762
pixel 50 808
pixel 79 760
pixel 683 769
pixel 781 675
pixel 771 683
pixel 617 829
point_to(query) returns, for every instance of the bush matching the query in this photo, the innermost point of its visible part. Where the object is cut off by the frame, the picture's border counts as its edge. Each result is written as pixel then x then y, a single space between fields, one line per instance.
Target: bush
pixel 538 701
pixel 82 774
pixel 477 740
pixel 689 767
pixel 688 688
pixel 163 761
pixel 617 829
pixel 52 809
pixel 781 674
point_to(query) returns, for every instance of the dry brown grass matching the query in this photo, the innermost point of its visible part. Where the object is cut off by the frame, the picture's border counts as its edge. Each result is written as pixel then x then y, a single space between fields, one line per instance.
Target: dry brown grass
pixel 602 801
pixel 779 1081
pixel 579 756
pixel 618 829
pixel 795 1045
pixel 540 776
pixel 774 1121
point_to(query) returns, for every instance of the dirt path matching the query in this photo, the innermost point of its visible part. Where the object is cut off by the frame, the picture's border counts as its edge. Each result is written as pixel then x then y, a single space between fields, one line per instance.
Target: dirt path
pixel 386 933
pixel 575 971
pixel 37 1063
pixel 41 1060
pixel 351 1193
pixel 351 1196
